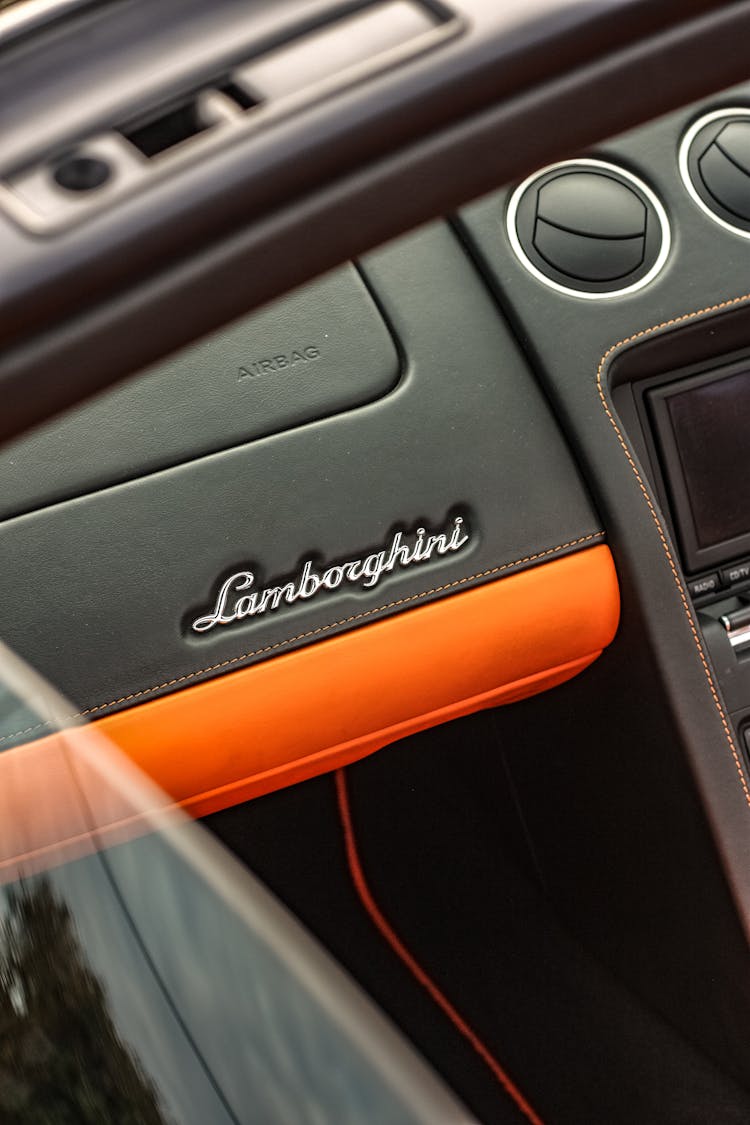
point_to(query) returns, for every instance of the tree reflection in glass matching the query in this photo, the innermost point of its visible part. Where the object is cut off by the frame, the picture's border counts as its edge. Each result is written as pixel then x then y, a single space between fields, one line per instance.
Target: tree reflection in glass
pixel 61 1059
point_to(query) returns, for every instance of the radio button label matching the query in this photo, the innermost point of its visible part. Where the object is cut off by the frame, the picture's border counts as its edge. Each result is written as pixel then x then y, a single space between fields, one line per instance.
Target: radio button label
pixel 708 584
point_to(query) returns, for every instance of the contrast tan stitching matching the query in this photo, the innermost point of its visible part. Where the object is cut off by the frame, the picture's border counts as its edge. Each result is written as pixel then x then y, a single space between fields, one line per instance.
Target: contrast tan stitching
pixel 312 633
pixel 731 302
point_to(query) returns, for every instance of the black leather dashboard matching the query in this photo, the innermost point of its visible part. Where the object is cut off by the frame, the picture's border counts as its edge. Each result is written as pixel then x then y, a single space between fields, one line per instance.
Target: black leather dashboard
pixel 102 590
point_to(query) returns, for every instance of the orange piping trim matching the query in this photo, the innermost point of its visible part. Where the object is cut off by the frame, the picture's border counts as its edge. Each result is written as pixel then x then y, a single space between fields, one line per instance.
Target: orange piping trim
pixel 388 933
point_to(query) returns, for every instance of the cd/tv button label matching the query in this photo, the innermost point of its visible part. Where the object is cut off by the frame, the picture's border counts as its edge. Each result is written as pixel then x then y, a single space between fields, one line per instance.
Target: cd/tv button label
pixel 740 572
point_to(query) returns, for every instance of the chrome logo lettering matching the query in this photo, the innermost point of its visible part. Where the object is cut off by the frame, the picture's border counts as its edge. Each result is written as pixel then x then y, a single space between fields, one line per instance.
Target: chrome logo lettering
pixel 238 599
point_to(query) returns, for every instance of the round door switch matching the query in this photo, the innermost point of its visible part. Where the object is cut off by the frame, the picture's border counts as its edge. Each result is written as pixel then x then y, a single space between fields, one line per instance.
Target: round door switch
pixel 589 228
pixel 715 166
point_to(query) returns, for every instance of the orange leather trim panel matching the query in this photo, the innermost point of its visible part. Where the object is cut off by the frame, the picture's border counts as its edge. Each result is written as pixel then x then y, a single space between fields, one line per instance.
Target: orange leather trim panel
pixel 70 794
pixel 404 954
pixel 306 712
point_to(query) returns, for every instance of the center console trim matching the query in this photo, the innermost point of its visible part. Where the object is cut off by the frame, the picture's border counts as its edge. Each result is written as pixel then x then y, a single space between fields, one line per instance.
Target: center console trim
pixel 670 559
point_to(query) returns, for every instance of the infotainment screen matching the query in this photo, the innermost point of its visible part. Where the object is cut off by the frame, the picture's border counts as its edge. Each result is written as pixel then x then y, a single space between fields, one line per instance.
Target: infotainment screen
pixel 703 424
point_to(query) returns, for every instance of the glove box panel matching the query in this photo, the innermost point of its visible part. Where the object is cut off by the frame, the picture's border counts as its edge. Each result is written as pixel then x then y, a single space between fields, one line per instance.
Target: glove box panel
pixel 313 532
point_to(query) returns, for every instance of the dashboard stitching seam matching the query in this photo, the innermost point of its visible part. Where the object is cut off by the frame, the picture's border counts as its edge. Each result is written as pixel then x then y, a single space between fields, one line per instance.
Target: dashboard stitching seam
pixel 311 633
pixel 729 303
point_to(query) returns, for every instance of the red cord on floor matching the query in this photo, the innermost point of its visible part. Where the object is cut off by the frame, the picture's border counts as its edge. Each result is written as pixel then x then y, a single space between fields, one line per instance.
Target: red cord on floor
pixel 398 947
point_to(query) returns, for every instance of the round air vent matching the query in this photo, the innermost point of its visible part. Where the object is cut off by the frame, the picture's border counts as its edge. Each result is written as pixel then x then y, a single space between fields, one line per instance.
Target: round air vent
pixel 715 166
pixel 589 228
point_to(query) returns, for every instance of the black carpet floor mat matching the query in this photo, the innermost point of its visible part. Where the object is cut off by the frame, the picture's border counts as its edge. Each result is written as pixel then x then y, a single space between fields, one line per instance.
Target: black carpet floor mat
pixel 445 858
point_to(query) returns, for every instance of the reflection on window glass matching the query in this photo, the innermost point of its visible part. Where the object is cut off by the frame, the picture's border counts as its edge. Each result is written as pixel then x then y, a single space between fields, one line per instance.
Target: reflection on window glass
pixel 61 1058
pixel 146 978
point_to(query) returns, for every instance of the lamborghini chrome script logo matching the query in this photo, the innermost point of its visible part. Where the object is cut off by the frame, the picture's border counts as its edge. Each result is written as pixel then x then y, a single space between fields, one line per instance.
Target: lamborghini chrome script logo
pixel 237 599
